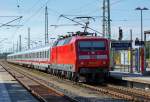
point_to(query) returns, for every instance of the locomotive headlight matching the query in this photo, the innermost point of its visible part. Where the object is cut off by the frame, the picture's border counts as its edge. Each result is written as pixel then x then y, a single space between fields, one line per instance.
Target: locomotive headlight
pixel 104 62
pixel 82 63
pixel 101 56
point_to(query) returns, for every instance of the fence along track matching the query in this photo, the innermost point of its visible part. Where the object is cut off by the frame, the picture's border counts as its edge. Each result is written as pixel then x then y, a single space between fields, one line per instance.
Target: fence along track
pixel 38 87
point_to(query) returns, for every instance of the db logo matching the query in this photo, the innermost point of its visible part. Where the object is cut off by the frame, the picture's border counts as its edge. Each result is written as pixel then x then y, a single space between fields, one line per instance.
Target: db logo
pixel 93 52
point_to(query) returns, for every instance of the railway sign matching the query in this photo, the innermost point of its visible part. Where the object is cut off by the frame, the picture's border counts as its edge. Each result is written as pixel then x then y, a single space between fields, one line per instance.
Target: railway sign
pixel 121 45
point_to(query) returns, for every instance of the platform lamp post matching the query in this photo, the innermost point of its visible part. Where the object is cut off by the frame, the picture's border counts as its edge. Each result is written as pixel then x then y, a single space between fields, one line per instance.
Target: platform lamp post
pixel 141 10
pixel 143 58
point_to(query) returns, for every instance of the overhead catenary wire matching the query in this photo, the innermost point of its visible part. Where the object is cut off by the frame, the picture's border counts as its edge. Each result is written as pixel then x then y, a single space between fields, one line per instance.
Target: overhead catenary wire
pixel 116 2
pixel 74 21
pixel 33 6
pixel 81 24
pixel 34 14
pixel 10 21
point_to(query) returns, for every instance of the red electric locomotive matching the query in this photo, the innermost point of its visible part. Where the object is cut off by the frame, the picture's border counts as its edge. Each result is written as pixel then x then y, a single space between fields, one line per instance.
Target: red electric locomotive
pixel 83 58
pixel 78 57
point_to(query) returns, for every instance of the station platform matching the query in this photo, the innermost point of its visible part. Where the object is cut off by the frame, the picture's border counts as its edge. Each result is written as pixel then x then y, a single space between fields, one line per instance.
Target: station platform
pixel 11 90
pixel 137 80
pixel 120 75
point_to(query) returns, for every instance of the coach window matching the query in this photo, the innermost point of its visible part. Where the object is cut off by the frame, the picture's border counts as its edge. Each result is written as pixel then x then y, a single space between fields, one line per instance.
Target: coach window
pixel 38 54
pixel 43 54
pixel 30 55
pixel 47 54
pixel 23 56
pixel 33 55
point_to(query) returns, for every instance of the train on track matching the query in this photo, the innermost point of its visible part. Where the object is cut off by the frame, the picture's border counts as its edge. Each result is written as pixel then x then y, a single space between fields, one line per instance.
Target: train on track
pixel 79 57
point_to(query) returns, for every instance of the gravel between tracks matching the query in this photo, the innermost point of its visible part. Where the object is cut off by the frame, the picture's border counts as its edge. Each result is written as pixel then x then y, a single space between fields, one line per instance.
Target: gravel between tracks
pixel 69 88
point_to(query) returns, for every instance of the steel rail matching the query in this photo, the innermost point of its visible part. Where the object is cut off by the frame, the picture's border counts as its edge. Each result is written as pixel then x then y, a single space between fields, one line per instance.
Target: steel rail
pixel 125 93
pixel 41 83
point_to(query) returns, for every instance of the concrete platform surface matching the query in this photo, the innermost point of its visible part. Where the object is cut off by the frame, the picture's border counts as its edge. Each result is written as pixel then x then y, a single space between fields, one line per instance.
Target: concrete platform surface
pixel 11 90
pixel 120 75
pixel 132 77
pixel 144 79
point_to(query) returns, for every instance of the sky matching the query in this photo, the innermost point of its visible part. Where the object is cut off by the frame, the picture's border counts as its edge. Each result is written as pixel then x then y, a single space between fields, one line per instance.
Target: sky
pixel 123 14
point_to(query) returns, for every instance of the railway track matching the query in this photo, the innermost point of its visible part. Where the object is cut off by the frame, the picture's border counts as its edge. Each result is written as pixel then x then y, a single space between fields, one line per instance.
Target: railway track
pixel 38 87
pixel 119 92
pixel 134 95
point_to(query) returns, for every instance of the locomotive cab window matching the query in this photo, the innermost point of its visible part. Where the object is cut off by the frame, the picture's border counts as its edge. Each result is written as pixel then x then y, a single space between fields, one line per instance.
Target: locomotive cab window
pixel 91 45
pixel 60 43
pixel 67 40
pixel 64 41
